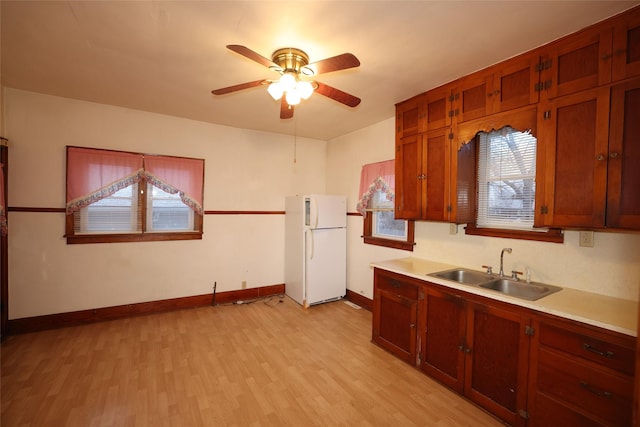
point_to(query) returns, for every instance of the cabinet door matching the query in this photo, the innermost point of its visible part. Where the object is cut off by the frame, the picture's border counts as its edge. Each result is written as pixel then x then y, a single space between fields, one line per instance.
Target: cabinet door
pixel 438 109
pixel 436 147
pixel 409 178
pixel 573 137
pixel 410 117
pixel 474 98
pixel 623 189
pixel 396 324
pixel 578 62
pixel 496 365
pixel 626 46
pixel 443 344
pixel 515 83
pixel 462 189
pixel 395 310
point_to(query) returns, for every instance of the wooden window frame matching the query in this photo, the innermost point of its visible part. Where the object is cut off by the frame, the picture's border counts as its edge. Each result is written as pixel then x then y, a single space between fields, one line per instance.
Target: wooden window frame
pixel 519 119
pixel 406 245
pixel 142 236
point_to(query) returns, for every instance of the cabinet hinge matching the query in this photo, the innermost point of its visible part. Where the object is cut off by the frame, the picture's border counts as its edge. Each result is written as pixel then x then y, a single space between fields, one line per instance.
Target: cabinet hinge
pixel 451 98
pixel 451 113
pixel 544 210
pixel 523 414
pixel 450 135
pixel 546 115
pixel 529 330
pixel 449 209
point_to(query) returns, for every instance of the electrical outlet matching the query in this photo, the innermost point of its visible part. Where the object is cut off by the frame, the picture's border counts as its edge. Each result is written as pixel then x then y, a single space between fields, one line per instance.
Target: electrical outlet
pixel 453 228
pixel 244 284
pixel 586 239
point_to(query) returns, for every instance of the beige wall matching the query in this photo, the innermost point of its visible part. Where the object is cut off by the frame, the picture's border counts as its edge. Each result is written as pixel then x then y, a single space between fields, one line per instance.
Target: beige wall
pixel 611 267
pixel 244 170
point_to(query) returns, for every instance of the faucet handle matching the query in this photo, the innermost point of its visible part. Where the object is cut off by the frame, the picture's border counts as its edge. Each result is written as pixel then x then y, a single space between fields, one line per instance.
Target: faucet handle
pixel 514 274
pixel 489 269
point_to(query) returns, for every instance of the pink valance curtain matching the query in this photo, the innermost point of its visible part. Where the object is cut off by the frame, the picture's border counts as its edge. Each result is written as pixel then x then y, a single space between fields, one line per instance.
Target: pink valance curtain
pixel 177 175
pixel 3 208
pixel 374 177
pixel 94 174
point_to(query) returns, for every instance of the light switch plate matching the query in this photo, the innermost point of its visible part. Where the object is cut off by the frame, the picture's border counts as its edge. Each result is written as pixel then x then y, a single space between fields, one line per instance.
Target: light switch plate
pixel 586 239
pixel 453 228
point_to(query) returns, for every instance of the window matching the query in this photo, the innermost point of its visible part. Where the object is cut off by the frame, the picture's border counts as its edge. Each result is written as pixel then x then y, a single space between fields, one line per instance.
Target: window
pixel 506 183
pixel 115 196
pixel 377 208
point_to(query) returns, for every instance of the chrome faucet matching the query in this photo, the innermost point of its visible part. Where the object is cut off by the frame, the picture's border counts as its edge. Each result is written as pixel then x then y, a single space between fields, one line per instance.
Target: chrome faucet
pixel 501 273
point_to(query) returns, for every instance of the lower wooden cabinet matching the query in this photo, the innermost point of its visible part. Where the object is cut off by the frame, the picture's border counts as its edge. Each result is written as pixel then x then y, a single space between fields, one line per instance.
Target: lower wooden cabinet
pixel 395 308
pixel 580 376
pixel 478 350
pixel 525 367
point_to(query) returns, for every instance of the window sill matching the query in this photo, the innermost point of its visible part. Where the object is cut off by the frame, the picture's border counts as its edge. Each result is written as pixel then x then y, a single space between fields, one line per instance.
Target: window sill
pixel 389 243
pixel 553 235
pixel 124 238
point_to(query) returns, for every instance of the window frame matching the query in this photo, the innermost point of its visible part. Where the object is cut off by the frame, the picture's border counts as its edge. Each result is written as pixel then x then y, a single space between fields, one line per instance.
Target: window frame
pixel 523 119
pixel 368 237
pixel 143 235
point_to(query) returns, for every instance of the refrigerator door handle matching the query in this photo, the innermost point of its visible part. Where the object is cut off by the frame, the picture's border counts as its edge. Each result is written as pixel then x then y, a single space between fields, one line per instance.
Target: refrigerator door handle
pixel 310 232
pixel 314 203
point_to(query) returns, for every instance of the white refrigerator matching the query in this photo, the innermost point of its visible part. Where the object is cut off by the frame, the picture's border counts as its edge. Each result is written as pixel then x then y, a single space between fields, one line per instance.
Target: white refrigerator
pixel 315 248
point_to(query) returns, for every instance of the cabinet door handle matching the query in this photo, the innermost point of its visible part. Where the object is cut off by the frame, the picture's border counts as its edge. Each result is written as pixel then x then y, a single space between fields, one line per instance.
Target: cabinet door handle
pixel 588 347
pixel 585 385
pixel 613 155
pixel 600 157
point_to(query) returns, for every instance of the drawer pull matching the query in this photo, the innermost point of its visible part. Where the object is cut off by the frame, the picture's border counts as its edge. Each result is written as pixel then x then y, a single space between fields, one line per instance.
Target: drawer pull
pixel 395 284
pixel 587 347
pixel 590 389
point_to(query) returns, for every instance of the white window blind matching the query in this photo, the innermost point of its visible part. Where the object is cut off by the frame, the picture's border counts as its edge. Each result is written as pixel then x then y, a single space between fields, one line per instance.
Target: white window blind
pixel 167 212
pixel 506 179
pixel 118 213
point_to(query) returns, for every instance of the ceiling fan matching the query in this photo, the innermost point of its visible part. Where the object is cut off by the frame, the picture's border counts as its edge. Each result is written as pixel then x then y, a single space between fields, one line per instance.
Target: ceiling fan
pixel 295 77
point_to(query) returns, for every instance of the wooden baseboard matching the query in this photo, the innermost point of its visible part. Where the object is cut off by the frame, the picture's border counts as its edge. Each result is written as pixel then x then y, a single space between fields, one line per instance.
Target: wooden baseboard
pixel 360 300
pixel 83 317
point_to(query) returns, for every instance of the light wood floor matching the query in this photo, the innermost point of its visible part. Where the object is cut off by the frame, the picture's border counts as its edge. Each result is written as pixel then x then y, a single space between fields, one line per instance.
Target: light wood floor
pixel 260 364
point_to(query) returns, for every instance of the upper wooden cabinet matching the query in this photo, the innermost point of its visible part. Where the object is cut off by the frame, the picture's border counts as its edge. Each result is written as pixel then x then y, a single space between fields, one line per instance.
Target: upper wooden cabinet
pixel 626 45
pixel 585 90
pixel 410 117
pixel 623 173
pixel 605 53
pixel 587 159
pixel 508 85
pixel 575 63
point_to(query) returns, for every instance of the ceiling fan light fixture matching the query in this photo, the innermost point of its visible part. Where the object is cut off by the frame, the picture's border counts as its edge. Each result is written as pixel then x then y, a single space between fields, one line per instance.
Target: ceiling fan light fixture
pixel 305 89
pixel 288 82
pixel 293 97
pixel 276 90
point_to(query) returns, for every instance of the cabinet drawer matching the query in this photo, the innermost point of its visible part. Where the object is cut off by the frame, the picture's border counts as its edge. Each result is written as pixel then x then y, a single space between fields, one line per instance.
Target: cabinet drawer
pixel 397 286
pixel 587 347
pixel 550 412
pixel 603 395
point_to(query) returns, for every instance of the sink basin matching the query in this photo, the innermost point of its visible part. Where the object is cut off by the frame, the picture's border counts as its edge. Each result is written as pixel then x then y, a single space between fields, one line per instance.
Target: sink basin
pixel 461 275
pixel 528 291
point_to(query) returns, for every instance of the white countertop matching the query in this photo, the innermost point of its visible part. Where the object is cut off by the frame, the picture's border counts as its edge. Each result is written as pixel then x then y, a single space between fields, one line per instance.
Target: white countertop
pixel 615 314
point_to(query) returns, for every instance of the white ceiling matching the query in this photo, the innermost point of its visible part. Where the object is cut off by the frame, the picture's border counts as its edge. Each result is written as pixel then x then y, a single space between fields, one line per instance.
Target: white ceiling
pixel 167 56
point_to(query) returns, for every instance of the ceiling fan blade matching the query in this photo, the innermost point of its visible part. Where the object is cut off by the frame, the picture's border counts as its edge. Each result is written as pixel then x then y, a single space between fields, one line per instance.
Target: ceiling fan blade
pixel 235 88
pixel 335 63
pixel 248 53
pixel 286 110
pixel 337 95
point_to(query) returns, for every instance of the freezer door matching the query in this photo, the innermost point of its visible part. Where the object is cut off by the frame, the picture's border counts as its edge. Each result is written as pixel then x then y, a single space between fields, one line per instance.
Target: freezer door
pixel 326 264
pixel 327 211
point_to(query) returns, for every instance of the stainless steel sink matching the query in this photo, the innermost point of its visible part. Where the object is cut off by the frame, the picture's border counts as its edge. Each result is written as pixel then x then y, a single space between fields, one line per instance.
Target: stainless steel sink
pixel 528 291
pixel 462 275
